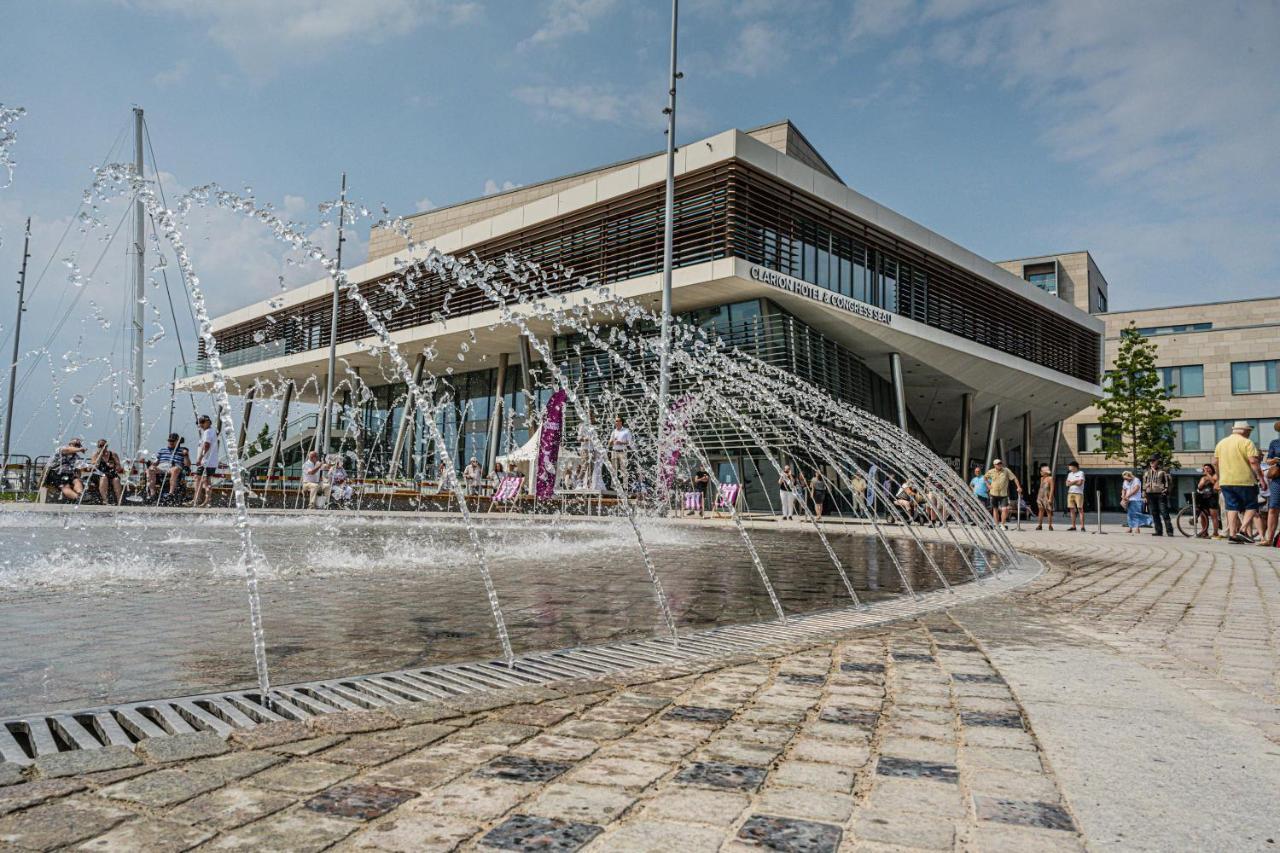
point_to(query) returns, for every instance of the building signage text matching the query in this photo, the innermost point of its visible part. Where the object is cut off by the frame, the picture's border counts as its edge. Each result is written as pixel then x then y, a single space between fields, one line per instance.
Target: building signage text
pixel 819 294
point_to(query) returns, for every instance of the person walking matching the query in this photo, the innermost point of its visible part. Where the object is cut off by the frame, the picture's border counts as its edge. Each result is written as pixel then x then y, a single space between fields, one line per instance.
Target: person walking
pixel 1156 485
pixel 787 492
pixel 1273 449
pixel 999 479
pixel 701 483
pixel 206 467
pixel 619 446
pixel 1044 498
pixel 1239 467
pixel 1207 497
pixel 1131 500
pixel 818 492
pixel 978 485
pixel 1075 494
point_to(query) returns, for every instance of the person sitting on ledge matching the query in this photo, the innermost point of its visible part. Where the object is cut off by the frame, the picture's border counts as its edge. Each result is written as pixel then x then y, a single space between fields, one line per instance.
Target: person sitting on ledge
pixel 170 464
pixel 64 474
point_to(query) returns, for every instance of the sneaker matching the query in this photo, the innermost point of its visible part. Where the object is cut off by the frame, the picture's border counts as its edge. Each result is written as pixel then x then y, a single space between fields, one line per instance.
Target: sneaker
pixel 1157 534
pixel 1239 539
pixel 1071 528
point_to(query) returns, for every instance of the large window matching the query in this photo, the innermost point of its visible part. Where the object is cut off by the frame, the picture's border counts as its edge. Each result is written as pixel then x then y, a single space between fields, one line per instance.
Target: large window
pixel 1255 377
pixel 1089 438
pixel 1043 276
pixel 1151 331
pixel 1100 301
pixel 1184 381
pixel 1203 436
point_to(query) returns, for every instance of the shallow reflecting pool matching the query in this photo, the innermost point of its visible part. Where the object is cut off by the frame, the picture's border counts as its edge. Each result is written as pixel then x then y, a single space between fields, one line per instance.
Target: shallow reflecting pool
pixel 96 608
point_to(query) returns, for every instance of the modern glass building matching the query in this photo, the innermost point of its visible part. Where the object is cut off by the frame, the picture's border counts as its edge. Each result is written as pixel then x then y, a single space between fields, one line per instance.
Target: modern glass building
pixel 772 251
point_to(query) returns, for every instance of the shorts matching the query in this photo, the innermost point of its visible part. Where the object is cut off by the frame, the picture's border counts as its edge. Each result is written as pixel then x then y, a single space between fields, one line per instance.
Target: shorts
pixel 984 500
pixel 1273 495
pixel 206 472
pixel 999 501
pixel 1075 500
pixel 1240 498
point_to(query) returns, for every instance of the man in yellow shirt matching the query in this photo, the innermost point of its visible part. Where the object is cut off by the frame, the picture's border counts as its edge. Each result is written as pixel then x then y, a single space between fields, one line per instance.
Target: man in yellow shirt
pixel 1238 462
pixel 998 480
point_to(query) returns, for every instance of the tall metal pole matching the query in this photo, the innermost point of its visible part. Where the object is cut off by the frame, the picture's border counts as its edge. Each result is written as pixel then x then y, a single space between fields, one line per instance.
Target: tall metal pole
pixel 668 231
pixel 139 292
pixel 327 414
pixel 17 336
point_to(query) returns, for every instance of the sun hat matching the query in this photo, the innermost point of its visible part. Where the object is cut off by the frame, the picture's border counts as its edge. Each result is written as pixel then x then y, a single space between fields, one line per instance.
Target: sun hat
pixel 1242 425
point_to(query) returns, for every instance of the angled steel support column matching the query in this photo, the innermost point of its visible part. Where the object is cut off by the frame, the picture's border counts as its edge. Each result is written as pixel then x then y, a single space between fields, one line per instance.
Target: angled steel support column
pixel 282 425
pixel 966 426
pixel 526 368
pixel 495 412
pixel 992 426
pixel 899 393
pixel 244 421
pixel 1057 440
pixel 1027 461
pixel 406 420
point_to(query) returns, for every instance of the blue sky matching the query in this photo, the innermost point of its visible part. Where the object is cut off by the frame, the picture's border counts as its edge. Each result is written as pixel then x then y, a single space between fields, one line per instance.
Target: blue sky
pixel 1145 132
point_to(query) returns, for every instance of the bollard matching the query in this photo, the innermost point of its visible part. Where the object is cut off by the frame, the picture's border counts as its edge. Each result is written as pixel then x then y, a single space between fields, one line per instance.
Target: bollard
pixel 1097 497
pixel 1195 513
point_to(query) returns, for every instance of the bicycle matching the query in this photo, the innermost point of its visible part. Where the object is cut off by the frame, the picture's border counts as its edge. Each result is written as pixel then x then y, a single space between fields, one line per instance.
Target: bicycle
pixel 1187 520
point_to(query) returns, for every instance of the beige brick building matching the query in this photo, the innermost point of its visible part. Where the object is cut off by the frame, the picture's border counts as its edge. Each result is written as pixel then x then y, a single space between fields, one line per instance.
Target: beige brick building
pixel 1222 360
pixel 1073 276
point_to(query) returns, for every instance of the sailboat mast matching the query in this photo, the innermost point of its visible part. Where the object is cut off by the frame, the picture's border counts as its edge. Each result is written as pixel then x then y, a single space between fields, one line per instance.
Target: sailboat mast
pixel 139 285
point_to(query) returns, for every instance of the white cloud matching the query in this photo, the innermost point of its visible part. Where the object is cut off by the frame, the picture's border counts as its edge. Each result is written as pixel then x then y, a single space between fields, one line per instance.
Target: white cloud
pixel 173 75
pixel 756 50
pixel 424 204
pixel 263 36
pixel 566 18
pixel 491 186
pixel 590 102
pixel 871 19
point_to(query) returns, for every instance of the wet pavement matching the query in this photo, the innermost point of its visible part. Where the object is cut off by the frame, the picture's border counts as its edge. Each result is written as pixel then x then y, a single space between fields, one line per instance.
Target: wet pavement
pixel 97 607
pixel 1119 702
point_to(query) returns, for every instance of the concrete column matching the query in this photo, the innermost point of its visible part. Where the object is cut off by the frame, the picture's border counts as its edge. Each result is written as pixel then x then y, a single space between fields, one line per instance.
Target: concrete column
pixel 1003 451
pixel 899 393
pixel 244 421
pixel 966 426
pixel 992 426
pixel 1027 462
pixel 526 365
pixel 1057 440
pixel 282 426
pixel 495 412
pixel 320 416
pixel 406 420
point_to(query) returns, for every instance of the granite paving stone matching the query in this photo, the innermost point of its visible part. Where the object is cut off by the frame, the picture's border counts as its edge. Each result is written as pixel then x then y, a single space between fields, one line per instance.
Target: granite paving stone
pixel 308 746
pixel 153 836
pixel 227 808
pixel 653 836
pixel 14 797
pixel 415 832
pixel 696 714
pixel 831 752
pixel 806 803
pixel 503 734
pixel 622 772
pixel 1023 813
pixel 592 730
pixel 916 795
pixel 696 805
pixel 162 788
pixel 181 747
pixel 82 761
pixel 528 832
pixel 790 835
pixel 984 718
pixel 597 804
pixel 522 768
pixel 720 774
pixel 911 768
pixel 557 748
pixel 477 798
pixel 294 829
pixel 359 802
pixel 303 777
pixel 60 823
pixel 903 829
pixel 10 773
pixel 236 765
pixel 813 775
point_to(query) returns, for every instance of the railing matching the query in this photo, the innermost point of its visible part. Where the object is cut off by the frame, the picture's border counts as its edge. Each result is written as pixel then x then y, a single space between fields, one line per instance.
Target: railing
pixel 237 357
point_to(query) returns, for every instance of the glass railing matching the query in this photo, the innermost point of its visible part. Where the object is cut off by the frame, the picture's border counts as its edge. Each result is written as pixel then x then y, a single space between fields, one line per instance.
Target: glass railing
pixel 235 358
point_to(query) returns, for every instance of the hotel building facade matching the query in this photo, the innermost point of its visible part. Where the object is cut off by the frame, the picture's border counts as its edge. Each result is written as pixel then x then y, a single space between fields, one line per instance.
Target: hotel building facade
pixel 773 252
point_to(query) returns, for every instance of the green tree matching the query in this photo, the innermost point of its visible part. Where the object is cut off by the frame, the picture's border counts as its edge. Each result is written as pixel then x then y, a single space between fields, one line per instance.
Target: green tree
pixel 259 444
pixel 1137 422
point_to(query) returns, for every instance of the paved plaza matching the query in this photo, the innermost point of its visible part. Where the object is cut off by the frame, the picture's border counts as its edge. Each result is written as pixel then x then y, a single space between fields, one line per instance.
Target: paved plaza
pixel 1124 700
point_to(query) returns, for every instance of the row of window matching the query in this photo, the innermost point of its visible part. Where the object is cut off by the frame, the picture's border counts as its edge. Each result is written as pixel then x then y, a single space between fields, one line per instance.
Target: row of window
pixel 1149 331
pixel 1247 377
pixel 1199 436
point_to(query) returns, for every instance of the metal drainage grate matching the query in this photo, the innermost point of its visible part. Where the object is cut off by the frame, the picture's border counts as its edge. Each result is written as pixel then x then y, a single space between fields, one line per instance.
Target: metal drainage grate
pixel 25 739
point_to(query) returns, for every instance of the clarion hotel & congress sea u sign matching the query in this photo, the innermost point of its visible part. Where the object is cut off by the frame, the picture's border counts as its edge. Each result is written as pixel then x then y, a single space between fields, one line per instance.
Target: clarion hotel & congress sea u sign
pixel 819 294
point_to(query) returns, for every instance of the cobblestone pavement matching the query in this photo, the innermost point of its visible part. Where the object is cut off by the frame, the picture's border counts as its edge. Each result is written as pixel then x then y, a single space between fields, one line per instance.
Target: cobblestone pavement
pixel 1037 721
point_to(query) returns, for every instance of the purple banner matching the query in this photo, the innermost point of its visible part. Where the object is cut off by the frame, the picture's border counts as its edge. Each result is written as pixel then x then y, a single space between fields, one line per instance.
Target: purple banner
pixel 549 446
pixel 674 439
